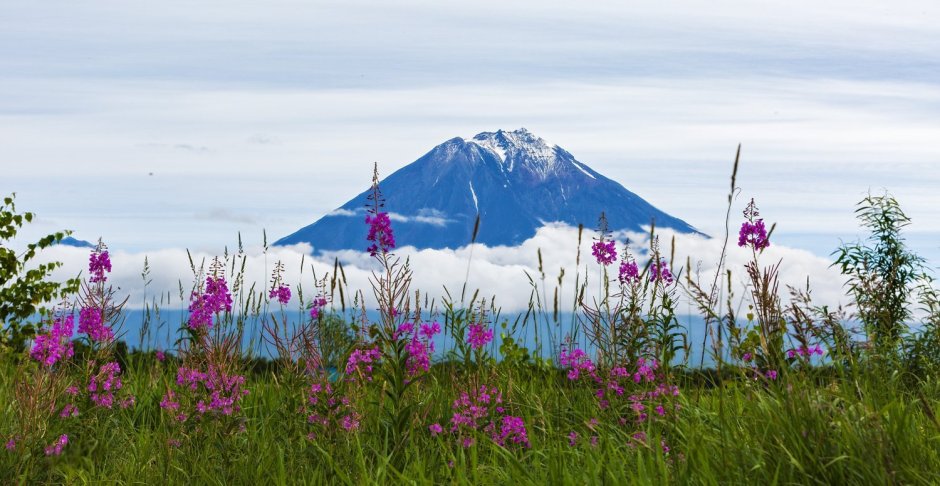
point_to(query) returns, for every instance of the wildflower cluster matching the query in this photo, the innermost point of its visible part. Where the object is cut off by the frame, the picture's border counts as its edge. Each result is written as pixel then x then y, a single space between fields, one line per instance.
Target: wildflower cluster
pixel 91 322
pixel 753 233
pixel 56 447
pixel 281 293
pixel 328 410
pixel 360 363
pixel 99 262
pixel 604 250
pixel 419 345
pixel 199 394
pixel 633 397
pixel 55 345
pixel 482 410
pixel 380 233
pixel 659 272
pixel 317 306
pixel 216 298
pixel 629 272
pixel 479 335
pixel 806 352
pixel 105 383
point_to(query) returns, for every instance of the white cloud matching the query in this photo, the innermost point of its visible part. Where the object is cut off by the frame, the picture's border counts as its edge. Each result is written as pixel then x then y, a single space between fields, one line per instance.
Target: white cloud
pixel 496 271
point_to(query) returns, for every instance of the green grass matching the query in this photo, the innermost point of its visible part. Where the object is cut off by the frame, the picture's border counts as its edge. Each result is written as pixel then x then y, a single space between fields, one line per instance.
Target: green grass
pixel 823 428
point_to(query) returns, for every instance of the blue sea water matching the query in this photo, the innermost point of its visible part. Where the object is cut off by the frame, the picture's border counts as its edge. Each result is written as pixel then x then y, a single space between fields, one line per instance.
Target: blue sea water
pixel 151 330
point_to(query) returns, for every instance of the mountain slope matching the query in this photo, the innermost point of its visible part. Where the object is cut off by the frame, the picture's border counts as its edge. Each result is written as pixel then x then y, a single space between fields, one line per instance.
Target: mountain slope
pixel 514 179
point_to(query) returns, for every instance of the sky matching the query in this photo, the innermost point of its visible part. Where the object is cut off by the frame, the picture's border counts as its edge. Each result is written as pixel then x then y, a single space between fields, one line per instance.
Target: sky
pixel 171 125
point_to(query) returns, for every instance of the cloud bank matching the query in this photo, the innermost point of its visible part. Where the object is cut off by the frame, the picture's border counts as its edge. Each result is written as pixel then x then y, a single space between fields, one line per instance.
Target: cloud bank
pixel 498 272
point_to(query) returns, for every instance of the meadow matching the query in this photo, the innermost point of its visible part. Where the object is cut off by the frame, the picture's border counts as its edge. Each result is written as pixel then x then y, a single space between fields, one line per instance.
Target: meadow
pixel 365 391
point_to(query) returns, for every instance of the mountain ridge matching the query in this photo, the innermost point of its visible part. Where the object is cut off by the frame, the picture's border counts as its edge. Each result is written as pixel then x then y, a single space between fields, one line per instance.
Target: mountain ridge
pixel 516 181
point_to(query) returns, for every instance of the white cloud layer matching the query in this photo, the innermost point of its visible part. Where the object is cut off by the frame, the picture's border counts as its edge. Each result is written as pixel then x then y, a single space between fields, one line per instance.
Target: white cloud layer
pixel 496 271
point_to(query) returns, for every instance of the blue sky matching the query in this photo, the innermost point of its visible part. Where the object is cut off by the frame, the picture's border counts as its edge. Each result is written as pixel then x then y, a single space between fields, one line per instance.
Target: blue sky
pixel 267 115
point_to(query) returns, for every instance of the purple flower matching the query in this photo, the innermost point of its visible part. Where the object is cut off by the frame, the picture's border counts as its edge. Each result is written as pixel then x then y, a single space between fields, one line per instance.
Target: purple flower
pixel 360 362
pixel 512 430
pixel 479 336
pixel 215 299
pixel 11 444
pixel 772 374
pixel 659 271
pixel 435 429
pixel 578 362
pixel 419 358
pixel 317 306
pixel 380 233
pixel 103 385
pixel 428 331
pixel 55 345
pixel 55 448
pixel 350 423
pixel 161 356
pixel 99 262
pixel 69 410
pixel 629 272
pixel 753 234
pixel 282 293
pixel 572 438
pixel 747 357
pixel 91 322
pixel 604 251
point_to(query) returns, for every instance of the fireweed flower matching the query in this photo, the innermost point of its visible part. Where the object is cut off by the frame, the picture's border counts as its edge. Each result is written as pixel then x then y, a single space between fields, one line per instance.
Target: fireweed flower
pixel 56 447
pixel 380 233
pixel 161 356
pixel 69 410
pixel 360 362
pixel 659 271
pixel 512 430
pixel 215 299
pixel 479 336
pixel 282 293
pixel 55 345
pixel 804 351
pixel 605 252
pixel 103 385
pixel 578 362
pixel 91 322
pixel 629 272
pixel 99 262
pixel 435 429
pixel 753 233
pixel 317 306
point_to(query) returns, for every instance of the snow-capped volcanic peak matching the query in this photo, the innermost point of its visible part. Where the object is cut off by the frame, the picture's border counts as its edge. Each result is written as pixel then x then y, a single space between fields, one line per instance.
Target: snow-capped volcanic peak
pixel 513 181
pixel 520 147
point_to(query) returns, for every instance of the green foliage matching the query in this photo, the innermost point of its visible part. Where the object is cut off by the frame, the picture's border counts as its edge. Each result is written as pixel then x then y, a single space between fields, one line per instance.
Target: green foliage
pixel 823 428
pixel 882 272
pixel 25 288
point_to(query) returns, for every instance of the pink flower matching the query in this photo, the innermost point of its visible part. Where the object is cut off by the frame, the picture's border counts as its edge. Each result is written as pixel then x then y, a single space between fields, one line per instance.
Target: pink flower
pixel 479 336
pixel 56 345
pixel 605 252
pixel 99 262
pixel 435 429
pixel 282 293
pixel 55 448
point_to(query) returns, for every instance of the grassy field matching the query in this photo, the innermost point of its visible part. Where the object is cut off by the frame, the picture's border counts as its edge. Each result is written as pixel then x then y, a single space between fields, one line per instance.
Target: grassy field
pixel 357 396
pixel 817 427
